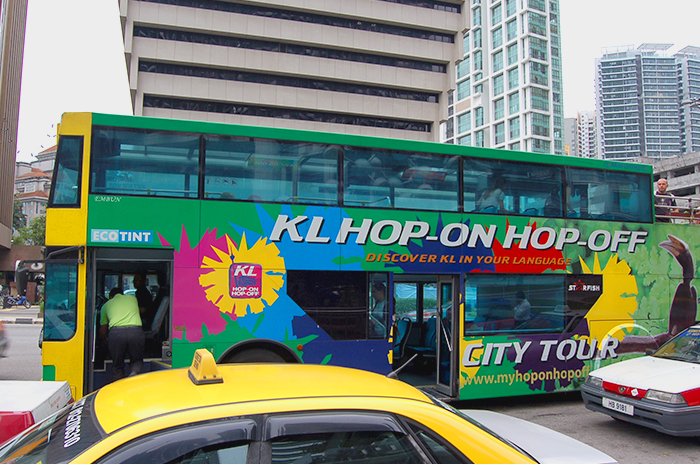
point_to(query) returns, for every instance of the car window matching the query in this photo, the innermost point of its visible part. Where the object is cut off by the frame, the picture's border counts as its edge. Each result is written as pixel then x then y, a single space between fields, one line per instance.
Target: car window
pixel 211 442
pixel 683 347
pixel 443 452
pixel 348 447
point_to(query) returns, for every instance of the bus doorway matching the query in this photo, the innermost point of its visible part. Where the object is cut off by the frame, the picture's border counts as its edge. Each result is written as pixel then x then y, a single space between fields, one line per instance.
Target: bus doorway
pixel 127 269
pixel 425 322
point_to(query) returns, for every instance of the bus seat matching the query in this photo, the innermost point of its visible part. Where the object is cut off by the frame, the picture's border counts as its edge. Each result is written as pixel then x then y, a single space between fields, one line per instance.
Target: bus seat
pixel 427 347
pixel 158 320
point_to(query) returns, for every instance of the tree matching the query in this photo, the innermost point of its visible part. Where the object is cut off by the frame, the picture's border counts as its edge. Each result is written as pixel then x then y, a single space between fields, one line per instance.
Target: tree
pixel 19 219
pixel 35 234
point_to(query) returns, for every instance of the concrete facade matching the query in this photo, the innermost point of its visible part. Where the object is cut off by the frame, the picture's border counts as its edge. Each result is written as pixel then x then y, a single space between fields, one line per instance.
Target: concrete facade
pixel 373 67
pixel 13 16
pixel 358 66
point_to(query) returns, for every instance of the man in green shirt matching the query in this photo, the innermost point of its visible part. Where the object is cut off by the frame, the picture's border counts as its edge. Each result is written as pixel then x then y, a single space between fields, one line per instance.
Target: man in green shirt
pixel 120 315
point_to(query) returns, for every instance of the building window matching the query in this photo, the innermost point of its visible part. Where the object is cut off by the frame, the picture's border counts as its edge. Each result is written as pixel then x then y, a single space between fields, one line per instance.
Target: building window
pixel 514 125
pixel 479 117
pixel 512 30
pixel 511 7
pixel 463 89
pixel 497 37
pixel 463 68
pixel 465 43
pixel 499 109
pixel 498 61
pixel 540 124
pixel 464 122
pixel 513 103
pixel 499 135
pixel 478 60
pixel 496 15
pixel 476 16
pixel 479 139
pixel 512 54
pixel 513 79
pixel 539 99
pixel 498 85
pixel 477 38
pixel 466 140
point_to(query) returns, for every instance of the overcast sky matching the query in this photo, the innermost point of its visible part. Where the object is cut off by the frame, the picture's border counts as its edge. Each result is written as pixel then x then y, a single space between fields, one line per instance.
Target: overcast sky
pixel 74 57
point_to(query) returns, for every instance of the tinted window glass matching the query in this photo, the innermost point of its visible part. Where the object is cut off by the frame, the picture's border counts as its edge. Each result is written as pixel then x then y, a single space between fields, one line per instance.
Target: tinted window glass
pixel 60 301
pixel 270 170
pixel 497 187
pixel 387 179
pixel 607 195
pixel 126 162
pixel 65 189
pixel 529 304
pixel 336 301
pixel 351 447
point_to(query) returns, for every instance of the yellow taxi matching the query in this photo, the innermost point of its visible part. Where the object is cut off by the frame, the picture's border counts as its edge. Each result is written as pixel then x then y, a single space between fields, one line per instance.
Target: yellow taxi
pixel 279 413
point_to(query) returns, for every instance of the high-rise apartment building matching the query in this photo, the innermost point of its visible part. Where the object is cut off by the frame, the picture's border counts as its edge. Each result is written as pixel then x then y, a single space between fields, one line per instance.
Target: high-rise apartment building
pixel 688 62
pixel 13 18
pixel 586 134
pixel 509 80
pixel 637 102
pixel 376 67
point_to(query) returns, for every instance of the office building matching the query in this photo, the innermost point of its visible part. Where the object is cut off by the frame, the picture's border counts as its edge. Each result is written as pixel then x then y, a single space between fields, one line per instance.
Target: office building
pixel 374 67
pixel 570 136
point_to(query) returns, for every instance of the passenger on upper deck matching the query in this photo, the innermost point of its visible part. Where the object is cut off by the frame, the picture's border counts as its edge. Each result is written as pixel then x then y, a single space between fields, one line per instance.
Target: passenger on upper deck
pixel 492 198
pixel 663 202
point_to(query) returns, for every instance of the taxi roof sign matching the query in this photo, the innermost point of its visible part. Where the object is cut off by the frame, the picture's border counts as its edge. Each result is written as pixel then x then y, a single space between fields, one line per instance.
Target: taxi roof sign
pixel 203 369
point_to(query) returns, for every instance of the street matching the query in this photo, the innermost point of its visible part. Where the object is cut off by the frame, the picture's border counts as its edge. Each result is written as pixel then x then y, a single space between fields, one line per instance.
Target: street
pixel 627 443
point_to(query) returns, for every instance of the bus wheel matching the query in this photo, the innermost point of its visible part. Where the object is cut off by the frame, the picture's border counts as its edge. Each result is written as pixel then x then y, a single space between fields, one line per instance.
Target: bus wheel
pixel 254 355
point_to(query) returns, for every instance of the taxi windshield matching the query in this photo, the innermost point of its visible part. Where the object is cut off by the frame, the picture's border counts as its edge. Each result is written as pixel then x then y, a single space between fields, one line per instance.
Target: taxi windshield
pixel 683 347
pixel 57 439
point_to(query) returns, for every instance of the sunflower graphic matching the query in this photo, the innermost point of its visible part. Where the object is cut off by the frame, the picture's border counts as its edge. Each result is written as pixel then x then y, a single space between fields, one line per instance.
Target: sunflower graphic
pixel 243 280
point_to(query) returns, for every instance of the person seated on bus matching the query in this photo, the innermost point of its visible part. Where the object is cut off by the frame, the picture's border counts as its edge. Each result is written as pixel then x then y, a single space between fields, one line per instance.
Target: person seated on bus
pixel 378 313
pixel 492 198
pixel 120 324
pixel 521 310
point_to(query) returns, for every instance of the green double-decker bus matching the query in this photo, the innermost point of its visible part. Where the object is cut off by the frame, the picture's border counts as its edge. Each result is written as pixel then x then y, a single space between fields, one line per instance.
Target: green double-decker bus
pixel 481 272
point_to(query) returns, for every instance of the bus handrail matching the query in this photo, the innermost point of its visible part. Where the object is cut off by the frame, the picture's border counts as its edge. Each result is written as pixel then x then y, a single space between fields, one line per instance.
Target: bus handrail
pixel 686 211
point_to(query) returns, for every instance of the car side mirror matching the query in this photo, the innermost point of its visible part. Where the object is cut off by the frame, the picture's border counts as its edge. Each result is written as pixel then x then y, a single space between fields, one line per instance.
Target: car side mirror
pixel 650 351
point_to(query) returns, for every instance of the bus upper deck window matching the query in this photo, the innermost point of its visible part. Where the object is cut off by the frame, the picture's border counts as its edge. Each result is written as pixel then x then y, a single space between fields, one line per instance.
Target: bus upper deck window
pixel 65 187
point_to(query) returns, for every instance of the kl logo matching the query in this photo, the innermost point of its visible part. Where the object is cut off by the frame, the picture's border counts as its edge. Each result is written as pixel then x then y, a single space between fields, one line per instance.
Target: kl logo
pixel 246 280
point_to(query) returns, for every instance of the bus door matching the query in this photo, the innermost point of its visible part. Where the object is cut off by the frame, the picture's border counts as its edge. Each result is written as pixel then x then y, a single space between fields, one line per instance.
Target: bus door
pixel 447 310
pixel 116 267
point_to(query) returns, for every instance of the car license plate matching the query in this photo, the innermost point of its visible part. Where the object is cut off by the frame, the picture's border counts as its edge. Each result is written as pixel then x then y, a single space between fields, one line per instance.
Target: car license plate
pixel 624 408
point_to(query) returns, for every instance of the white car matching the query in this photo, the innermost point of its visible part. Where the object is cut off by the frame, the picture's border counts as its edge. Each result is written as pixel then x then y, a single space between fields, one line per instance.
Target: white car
pixel 660 391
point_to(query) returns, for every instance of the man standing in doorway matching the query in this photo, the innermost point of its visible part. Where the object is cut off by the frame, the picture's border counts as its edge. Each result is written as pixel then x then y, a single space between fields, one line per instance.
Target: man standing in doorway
pixel 120 316
pixel 663 201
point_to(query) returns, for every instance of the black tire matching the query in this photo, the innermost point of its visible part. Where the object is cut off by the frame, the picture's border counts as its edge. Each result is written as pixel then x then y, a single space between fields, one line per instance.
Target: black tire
pixel 27 304
pixel 255 355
